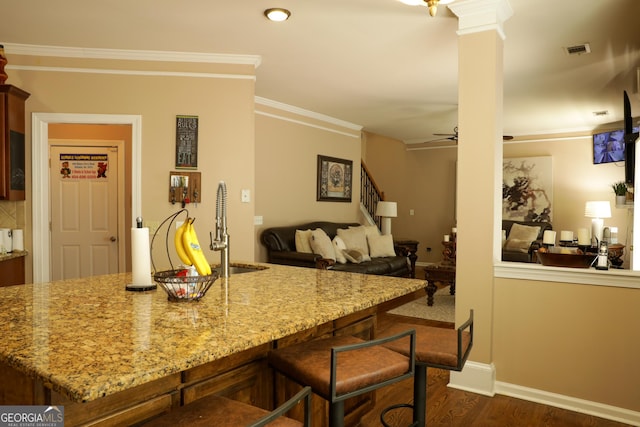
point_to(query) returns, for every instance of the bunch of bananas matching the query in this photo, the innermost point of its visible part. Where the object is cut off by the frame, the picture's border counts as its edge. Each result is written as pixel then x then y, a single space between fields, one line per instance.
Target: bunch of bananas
pixel 188 248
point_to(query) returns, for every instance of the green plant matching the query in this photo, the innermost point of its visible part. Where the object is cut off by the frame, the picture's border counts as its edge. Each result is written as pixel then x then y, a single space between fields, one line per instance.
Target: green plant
pixel 620 188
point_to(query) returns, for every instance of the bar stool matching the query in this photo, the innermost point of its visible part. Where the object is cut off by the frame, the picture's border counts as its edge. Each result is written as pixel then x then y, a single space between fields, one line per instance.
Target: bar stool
pixel 219 411
pixel 435 347
pixel 342 367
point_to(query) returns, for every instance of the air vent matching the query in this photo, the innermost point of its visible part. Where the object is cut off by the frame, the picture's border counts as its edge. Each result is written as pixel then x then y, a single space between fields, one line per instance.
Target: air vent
pixel 578 49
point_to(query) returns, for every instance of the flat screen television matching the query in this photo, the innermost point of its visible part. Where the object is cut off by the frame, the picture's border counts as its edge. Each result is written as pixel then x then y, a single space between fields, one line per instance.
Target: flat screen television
pixel 609 146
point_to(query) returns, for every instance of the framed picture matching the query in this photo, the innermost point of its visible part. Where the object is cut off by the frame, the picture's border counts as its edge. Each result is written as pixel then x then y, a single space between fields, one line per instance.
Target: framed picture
pixel 334 179
pixel 186 142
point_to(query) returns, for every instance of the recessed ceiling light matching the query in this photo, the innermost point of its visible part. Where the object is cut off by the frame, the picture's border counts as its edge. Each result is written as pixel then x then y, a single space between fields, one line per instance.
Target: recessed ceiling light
pixel 277 14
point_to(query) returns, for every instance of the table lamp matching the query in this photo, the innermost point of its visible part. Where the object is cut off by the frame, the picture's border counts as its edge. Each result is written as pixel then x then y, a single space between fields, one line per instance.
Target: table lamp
pixel 597 210
pixel 386 210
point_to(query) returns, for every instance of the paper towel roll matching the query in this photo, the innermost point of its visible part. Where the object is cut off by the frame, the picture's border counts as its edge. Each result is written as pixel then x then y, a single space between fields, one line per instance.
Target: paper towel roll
pixel 140 256
pixel 18 240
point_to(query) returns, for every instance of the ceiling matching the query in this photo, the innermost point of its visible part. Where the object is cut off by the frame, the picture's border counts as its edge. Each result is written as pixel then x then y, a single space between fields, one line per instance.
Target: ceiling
pixel 381 64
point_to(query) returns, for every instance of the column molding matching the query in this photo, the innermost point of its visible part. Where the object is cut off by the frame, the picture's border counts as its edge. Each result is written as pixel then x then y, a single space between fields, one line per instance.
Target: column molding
pixel 481 15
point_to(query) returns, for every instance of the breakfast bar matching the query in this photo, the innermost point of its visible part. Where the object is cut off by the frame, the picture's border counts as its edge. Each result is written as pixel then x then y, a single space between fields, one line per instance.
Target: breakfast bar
pixel 115 357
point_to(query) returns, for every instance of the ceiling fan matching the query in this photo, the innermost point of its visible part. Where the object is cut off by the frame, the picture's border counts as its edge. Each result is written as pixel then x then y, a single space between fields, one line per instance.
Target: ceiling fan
pixel 454 136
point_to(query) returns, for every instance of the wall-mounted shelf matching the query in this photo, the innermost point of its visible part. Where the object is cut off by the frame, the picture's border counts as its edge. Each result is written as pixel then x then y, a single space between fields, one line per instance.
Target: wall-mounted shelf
pixel 184 187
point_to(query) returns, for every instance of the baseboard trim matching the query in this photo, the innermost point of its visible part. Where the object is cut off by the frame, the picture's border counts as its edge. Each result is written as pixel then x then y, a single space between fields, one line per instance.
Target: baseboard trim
pixel 582 406
pixel 480 378
pixel 476 377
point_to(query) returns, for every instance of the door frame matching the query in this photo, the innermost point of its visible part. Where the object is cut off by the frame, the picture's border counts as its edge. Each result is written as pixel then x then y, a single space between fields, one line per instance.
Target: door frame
pixel 40 176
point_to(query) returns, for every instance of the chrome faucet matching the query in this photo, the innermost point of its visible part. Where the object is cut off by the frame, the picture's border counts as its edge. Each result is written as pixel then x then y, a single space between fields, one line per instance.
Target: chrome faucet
pixel 221 241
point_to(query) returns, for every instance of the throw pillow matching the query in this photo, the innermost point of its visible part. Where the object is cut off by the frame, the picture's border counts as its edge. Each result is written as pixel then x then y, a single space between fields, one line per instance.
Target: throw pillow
pixel 353 255
pixel 355 238
pixel 303 243
pixel 369 230
pixel 338 247
pixel 520 237
pixel 381 245
pixel 321 244
pixel 517 245
pixel 524 232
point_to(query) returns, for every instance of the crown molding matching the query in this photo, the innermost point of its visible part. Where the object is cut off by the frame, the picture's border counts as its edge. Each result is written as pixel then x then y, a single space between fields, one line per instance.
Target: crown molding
pixel 475 16
pixel 306 113
pixel 131 55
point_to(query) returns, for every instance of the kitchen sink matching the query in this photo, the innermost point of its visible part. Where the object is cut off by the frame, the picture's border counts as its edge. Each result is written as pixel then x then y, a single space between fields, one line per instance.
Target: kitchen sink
pixel 239 269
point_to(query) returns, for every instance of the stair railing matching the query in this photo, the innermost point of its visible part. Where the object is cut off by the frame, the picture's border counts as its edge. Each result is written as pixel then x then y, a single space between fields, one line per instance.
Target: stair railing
pixel 370 193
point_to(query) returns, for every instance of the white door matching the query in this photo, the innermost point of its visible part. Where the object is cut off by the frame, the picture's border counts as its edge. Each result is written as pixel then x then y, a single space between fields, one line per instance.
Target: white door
pixel 84 211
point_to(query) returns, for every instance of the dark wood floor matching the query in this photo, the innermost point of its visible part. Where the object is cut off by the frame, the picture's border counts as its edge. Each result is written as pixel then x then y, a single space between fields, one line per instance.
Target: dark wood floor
pixel 450 407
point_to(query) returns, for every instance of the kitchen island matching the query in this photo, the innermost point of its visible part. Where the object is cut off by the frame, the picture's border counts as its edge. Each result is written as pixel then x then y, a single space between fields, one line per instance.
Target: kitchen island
pixel 115 357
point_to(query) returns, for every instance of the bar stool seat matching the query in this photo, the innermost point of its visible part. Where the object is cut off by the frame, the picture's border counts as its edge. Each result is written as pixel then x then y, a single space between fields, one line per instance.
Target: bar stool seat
pixel 341 367
pixel 435 347
pixel 218 411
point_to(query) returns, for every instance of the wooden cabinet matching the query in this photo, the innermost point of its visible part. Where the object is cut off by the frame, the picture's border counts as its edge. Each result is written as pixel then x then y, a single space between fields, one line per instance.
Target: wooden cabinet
pixel 12 142
pixel 12 271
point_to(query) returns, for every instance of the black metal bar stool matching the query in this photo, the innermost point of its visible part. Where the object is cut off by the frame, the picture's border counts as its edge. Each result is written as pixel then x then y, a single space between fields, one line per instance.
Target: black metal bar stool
pixel 342 367
pixel 435 347
pixel 219 411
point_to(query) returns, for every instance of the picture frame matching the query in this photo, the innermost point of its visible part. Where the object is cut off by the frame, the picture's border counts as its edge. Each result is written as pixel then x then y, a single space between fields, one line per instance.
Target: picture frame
pixel 335 178
pixel 186 142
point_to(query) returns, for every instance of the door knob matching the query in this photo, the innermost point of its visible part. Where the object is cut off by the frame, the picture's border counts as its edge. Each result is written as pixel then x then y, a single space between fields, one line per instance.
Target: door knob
pixel 113 238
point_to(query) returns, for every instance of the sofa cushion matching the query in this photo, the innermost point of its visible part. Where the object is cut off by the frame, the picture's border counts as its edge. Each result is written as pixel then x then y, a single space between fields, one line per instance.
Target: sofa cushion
pixel 381 245
pixel 355 238
pixel 303 241
pixel 321 244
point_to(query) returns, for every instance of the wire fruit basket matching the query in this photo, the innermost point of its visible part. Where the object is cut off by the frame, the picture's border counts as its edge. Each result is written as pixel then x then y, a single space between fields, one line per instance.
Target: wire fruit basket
pixel 179 283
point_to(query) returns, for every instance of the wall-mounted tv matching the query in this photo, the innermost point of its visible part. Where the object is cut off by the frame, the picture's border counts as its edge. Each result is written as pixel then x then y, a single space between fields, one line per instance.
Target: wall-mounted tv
pixel 609 146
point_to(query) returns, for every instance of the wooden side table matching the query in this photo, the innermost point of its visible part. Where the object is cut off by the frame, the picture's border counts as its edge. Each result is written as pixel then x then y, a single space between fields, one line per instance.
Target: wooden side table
pixel 408 248
pixel 442 273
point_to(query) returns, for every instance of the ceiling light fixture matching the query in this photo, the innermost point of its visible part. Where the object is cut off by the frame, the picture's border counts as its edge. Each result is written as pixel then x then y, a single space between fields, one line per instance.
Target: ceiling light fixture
pixel 277 14
pixel 431 4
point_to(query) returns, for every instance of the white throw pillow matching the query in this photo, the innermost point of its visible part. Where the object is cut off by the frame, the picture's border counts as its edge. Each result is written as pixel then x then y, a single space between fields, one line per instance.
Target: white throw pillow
pixel 520 237
pixel 338 247
pixel 369 230
pixel 381 246
pixel 321 244
pixel 303 243
pixel 355 238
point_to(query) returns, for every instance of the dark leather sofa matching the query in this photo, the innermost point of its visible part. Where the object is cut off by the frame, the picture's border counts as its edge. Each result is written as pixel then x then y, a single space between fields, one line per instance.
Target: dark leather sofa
pixel 281 249
pixel 529 255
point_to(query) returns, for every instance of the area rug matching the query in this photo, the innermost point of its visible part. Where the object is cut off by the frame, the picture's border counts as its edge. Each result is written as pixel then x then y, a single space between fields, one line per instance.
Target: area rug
pixel 442 310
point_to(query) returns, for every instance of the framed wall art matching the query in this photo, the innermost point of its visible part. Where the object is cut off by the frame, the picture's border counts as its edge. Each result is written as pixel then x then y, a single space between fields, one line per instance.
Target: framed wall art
pixel 334 179
pixel 186 142
pixel 527 189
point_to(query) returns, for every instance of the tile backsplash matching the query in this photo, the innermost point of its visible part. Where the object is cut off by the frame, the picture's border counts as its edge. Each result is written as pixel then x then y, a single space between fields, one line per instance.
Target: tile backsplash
pixel 9 214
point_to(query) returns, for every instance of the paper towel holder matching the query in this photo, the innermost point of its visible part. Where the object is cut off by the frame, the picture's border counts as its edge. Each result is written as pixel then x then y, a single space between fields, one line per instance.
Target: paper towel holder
pixel 140 287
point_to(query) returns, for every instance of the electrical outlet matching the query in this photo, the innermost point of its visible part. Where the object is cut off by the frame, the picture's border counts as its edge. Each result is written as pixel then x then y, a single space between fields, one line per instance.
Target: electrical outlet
pixel 411 212
pixel 179 224
pixel 257 220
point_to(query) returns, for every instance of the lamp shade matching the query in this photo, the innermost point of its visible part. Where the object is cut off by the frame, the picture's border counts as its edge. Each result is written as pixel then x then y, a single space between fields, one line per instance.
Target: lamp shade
pixel 597 209
pixel 387 209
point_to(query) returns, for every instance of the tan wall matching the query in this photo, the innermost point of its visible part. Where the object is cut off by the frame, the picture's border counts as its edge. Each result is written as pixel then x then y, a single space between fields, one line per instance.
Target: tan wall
pixel 226 130
pixel 422 180
pixel 570 339
pixel 287 148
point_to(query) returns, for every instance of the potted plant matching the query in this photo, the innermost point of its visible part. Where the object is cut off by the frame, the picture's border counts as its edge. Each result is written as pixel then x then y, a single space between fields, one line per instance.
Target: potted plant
pixel 620 188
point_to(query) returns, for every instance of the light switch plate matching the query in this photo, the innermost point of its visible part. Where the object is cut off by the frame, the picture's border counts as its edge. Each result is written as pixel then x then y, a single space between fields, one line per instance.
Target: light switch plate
pixel 257 220
pixel 246 196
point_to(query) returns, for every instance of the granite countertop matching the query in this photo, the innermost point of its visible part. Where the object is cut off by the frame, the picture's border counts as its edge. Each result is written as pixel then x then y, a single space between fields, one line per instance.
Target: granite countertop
pixel 90 338
pixel 11 255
